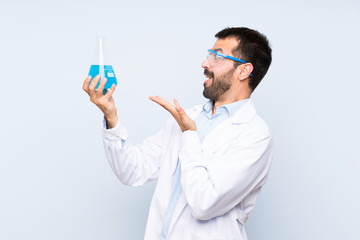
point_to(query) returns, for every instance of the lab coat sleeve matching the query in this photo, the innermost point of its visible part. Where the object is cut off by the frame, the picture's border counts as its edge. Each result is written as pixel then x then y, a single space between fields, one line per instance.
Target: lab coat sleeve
pixel 215 185
pixel 134 165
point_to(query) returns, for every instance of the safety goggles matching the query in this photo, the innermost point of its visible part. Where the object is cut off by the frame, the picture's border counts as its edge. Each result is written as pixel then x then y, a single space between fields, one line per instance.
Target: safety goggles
pixel 216 57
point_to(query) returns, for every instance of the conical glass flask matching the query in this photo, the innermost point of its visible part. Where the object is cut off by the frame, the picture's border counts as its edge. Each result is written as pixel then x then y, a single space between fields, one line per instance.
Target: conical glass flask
pixel 100 65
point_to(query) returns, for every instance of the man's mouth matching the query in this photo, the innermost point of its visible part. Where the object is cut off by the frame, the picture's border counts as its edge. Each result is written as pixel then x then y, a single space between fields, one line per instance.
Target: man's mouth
pixel 207 80
pixel 209 75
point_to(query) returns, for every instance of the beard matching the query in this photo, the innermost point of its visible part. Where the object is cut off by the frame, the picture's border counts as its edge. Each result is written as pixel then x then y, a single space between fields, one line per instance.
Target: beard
pixel 219 85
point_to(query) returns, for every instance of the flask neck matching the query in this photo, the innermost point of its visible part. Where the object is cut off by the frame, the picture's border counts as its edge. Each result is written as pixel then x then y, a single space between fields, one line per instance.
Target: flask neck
pixel 99 54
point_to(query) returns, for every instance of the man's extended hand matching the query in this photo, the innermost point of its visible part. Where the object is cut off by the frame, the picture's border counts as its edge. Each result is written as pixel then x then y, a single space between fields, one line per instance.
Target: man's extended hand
pixel 104 102
pixel 184 121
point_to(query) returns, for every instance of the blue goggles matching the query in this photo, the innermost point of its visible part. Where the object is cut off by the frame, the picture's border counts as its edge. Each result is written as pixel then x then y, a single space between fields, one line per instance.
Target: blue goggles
pixel 214 57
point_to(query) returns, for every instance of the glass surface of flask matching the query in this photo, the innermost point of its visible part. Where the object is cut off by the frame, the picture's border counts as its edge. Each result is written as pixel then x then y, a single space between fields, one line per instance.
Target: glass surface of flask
pixel 100 65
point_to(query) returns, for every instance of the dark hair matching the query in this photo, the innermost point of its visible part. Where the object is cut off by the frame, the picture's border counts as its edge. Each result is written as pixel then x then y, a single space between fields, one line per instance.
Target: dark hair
pixel 253 47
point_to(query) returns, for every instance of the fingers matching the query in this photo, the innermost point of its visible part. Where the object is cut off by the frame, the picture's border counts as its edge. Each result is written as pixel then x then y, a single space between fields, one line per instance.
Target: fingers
pixel 86 84
pixel 180 110
pixel 168 106
pixel 110 91
pixel 93 84
pixel 157 99
pixel 154 99
pixel 178 107
pixel 184 121
pixel 187 122
pixel 100 89
pixel 162 102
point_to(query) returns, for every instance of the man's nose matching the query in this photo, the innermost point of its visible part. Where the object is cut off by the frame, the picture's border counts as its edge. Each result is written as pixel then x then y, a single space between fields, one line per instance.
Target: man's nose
pixel 205 64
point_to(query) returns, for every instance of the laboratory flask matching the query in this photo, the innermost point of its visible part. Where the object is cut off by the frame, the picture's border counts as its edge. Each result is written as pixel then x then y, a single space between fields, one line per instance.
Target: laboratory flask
pixel 100 65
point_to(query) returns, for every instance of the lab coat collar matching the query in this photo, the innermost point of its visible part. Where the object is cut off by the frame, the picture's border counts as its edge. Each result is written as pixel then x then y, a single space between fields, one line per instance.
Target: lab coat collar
pixel 245 113
pixel 228 130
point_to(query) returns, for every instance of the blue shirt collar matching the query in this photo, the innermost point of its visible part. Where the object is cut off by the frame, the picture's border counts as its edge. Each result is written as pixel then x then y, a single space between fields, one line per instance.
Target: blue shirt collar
pixel 207 107
pixel 231 108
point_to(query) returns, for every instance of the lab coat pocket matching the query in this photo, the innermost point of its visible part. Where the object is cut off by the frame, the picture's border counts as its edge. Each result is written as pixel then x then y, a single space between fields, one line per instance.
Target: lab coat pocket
pixel 240 220
pixel 242 216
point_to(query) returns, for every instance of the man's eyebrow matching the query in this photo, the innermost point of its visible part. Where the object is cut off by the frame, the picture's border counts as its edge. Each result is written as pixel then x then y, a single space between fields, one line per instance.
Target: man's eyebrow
pixel 218 50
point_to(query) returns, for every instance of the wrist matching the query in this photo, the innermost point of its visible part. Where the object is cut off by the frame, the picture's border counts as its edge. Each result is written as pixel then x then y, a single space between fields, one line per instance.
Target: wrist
pixel 191 127
pixel 111 120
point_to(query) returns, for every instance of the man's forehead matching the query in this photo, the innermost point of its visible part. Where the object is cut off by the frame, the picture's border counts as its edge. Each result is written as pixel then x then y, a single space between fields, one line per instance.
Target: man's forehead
pixel 225 45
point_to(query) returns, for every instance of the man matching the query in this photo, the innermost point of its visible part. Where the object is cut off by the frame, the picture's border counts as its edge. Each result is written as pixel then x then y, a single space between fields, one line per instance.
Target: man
pixel 212 161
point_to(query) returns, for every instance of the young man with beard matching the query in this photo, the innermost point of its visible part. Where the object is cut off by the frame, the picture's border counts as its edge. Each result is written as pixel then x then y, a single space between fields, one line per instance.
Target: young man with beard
pixel 212 161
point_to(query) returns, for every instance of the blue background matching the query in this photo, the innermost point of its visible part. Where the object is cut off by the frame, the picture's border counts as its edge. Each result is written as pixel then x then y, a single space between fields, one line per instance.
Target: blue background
pixel 55 182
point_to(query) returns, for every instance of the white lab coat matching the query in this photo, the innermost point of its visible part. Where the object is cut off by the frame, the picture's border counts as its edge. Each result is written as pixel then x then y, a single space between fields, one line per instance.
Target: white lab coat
pixel 220 178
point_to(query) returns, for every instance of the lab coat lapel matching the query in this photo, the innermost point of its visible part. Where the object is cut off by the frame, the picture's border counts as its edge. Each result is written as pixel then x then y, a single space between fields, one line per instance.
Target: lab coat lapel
pixel 229 129
pixel 245 114
pixel 178 210
pixel 193 113
pixel 176 148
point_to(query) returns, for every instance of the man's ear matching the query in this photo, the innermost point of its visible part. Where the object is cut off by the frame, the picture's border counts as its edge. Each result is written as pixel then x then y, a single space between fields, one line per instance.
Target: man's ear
pixel 244 70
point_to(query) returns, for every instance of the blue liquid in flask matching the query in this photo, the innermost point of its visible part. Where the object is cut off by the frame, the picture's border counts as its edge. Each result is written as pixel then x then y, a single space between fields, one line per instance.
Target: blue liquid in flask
pixel 104 71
